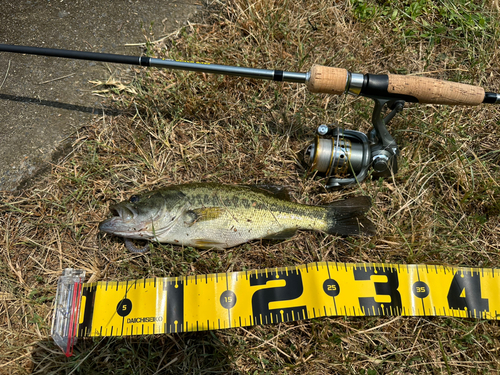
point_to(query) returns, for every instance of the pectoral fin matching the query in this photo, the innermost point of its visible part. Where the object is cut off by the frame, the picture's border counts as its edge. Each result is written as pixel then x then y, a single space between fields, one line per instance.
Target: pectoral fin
pixel 202 214
pixel 208 213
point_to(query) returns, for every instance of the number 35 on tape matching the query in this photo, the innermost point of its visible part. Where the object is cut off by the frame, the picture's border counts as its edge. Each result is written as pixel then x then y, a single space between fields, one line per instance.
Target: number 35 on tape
pixel 237 299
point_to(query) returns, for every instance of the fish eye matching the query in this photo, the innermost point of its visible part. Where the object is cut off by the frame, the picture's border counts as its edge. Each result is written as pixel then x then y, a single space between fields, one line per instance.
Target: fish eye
pixel 134 199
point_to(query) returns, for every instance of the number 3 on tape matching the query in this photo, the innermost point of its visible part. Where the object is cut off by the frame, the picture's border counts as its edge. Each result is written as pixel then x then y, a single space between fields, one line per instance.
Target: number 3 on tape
pixel 389 288
pixel 236 299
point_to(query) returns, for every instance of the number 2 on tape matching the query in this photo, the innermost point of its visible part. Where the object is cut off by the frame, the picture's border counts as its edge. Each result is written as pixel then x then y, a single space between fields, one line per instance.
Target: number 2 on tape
pixel 261 299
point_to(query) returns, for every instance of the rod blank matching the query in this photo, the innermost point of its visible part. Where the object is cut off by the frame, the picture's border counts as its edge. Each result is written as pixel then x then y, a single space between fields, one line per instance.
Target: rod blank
pixel 79 55
pixel 275 75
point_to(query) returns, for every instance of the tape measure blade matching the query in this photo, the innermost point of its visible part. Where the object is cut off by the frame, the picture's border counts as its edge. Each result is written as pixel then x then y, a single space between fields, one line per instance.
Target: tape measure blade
pixel 270 296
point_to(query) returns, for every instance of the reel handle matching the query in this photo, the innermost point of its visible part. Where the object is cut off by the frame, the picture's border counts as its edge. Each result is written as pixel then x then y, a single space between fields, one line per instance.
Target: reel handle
pixel 324 79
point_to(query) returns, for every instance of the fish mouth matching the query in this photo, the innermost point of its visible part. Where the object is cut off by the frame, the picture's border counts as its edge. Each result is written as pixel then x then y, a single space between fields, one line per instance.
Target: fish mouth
pixel 123 212
pixel 125 222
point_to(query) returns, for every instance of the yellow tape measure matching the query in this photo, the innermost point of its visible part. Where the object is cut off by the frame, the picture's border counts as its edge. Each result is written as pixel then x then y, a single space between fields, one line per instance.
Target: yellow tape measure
pixel 237 299
pixel 273 295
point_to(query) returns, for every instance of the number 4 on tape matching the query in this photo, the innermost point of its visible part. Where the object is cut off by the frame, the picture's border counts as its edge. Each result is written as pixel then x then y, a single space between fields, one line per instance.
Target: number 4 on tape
pixel 236 299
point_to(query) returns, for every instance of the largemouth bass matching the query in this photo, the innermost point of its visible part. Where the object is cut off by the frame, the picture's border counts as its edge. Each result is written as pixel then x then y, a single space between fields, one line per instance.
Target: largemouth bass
pixel 207 215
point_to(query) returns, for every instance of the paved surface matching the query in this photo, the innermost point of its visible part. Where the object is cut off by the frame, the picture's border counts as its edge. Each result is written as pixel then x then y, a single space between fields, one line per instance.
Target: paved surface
pixel 44 100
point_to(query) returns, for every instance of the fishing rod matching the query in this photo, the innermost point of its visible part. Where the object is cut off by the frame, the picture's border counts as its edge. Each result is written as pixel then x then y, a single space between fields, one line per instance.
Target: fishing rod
pixel 344 156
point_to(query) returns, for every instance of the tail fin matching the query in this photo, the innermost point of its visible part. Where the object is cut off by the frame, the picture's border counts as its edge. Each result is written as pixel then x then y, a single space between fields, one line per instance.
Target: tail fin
pixel 347 217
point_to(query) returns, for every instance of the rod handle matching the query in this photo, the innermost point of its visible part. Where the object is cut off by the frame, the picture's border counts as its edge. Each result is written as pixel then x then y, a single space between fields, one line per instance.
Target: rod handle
pixel 435 91
pixel 328 80
pixel 324 79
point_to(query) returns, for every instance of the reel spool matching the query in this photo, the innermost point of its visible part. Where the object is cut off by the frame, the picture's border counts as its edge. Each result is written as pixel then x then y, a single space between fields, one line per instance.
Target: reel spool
pixel 346 156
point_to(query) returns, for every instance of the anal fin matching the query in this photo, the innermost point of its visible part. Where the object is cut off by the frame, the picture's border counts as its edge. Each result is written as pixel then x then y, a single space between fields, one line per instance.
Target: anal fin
pixel 281 235
pixel 203 243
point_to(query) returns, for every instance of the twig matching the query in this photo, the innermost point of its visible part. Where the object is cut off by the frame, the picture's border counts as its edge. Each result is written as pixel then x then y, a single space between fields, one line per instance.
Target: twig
pixel 14 360
pixel 56 79
pixel 6 74
pixel 379 326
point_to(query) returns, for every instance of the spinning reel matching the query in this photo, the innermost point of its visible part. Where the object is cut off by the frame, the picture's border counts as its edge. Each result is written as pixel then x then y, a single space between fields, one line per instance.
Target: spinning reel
pixel 345 156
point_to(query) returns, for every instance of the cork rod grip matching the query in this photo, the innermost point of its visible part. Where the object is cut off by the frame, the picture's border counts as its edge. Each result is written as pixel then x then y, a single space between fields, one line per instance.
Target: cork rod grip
pixel 434 91
pixel 327 80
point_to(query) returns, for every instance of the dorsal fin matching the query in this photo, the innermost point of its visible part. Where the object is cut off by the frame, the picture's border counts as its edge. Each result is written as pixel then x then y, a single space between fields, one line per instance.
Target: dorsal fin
pixel 277 191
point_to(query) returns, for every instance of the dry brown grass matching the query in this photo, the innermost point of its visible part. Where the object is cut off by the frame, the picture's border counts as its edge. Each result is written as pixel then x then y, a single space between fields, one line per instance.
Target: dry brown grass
pixel 442 207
